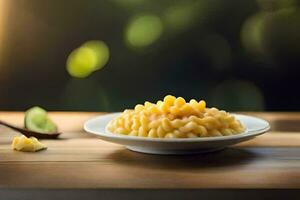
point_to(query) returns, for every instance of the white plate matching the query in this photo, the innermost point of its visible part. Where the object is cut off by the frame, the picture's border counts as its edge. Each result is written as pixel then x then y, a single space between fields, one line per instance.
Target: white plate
pixel 97 126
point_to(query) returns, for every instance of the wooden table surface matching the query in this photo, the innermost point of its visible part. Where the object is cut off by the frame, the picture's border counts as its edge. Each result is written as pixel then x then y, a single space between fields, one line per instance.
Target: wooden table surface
pixel 80 160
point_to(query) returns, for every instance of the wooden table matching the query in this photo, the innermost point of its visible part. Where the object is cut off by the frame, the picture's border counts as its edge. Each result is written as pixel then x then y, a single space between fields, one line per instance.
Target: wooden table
pixel 80 161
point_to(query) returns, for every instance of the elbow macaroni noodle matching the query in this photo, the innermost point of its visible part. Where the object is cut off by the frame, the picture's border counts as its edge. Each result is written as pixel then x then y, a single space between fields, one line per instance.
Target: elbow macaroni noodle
pixel 175 118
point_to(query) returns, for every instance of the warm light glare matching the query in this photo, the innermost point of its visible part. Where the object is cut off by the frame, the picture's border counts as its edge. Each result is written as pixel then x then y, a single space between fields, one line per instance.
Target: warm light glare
pixel 2 12
pixel 3 5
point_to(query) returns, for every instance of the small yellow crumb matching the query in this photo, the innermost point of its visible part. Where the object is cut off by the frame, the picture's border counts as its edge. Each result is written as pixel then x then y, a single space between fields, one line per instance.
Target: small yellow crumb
pixel 23 143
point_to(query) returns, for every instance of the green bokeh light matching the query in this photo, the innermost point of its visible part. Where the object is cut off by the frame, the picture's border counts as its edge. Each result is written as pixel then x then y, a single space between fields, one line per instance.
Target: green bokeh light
pixel 179 17
pixel 252 33
pixel 273 36
pixel 91 56
pixel 101 50
pixel 271 5
pixel 81 62
pixel 238 95
pixel 282 35
pixel 143 30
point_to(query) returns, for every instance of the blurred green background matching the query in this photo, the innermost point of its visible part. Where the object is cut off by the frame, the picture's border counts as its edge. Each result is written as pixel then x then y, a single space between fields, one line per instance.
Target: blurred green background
pixel 108 55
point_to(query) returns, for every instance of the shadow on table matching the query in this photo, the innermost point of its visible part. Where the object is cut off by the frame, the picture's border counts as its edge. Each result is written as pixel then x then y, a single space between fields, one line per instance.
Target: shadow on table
pixel 227 157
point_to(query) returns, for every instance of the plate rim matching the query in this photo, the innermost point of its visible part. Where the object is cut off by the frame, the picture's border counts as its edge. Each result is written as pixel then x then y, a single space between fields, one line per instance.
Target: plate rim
pixel 108 134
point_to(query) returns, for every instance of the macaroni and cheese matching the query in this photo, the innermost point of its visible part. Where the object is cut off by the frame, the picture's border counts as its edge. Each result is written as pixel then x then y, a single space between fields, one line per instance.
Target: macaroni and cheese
pixel 175 118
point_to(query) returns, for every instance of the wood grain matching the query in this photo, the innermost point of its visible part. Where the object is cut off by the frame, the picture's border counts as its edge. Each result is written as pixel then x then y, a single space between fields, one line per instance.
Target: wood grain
pixel 78 160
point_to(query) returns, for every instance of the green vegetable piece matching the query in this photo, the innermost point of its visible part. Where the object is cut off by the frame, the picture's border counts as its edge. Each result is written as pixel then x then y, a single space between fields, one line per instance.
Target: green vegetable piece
pixel 36 119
